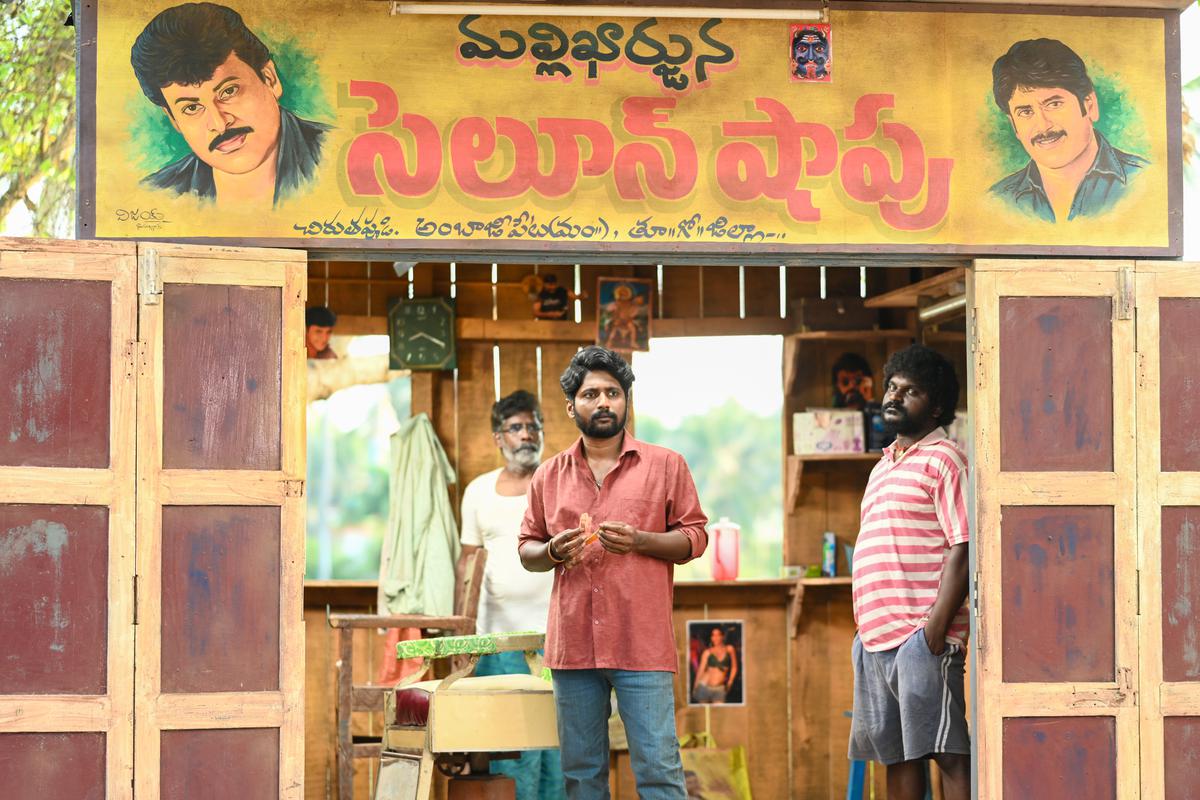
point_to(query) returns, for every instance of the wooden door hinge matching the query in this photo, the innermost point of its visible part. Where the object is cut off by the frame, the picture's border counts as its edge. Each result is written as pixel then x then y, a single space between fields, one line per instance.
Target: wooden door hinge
pixel 149 276
pixel 1125 293
pixel 974 345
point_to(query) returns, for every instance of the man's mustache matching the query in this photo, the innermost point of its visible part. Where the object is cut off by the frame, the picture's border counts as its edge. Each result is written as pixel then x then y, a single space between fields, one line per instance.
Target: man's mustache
pixel 232 133
pixel 528 447
pixel 893 407
pixel 1048 136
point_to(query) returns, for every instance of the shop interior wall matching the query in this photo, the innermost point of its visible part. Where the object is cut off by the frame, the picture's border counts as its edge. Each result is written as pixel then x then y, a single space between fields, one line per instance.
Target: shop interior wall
pixel 695 301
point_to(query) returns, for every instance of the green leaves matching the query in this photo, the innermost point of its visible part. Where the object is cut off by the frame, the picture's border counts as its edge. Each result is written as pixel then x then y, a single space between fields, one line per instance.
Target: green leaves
pixel 37 114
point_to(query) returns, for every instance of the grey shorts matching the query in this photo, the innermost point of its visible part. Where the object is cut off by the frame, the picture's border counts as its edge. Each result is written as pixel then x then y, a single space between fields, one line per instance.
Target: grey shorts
pixel 908 703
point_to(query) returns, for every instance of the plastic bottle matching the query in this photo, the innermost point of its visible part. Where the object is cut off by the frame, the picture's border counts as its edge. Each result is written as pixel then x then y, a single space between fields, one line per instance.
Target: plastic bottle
pixel 724 545
pixel 829 555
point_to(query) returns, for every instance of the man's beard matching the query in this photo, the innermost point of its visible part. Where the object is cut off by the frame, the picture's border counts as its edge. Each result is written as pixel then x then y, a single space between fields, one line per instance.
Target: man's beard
pixel 606 431
pixel 905 425
pixel 526 456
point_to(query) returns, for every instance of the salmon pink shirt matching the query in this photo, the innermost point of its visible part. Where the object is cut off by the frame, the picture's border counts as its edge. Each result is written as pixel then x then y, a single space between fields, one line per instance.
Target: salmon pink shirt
pixel 614 611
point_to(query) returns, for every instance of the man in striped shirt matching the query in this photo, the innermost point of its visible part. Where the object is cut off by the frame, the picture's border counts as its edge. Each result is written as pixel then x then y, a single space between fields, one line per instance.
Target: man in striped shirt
pixel 910 588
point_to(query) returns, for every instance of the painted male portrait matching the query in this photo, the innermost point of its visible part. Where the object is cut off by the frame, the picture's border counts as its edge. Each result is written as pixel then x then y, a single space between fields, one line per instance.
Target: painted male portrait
pixel 1043 88
pixel 219 87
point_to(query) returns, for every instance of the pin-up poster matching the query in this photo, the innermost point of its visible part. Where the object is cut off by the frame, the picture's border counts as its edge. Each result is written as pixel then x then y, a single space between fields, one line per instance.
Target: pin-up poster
pixel 346 124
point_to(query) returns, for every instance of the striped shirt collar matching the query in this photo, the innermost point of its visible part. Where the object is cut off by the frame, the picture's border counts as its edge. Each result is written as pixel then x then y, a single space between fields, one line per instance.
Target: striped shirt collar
pixel 938 434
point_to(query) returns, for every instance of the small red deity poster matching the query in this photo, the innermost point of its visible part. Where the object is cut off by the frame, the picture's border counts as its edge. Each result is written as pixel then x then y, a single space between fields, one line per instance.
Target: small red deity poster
pixel 812 52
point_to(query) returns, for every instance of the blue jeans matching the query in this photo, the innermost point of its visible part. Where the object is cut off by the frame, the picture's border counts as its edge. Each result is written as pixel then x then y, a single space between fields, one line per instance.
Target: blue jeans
pixel 537 773
pixel 646 703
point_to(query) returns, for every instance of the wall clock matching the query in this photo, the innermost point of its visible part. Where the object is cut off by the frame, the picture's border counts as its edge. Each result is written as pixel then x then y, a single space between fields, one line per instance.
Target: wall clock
pixel 421 332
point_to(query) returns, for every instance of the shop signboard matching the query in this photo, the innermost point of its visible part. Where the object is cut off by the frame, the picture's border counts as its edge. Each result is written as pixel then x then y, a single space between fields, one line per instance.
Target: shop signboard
pixel 343 125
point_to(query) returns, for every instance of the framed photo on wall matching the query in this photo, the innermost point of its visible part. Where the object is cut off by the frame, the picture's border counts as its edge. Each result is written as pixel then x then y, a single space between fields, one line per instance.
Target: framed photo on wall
pixel 716 669
pixel 623 313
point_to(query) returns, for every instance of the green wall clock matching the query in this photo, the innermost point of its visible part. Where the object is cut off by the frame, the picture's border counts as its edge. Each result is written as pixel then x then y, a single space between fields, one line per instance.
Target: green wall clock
pixel 421 332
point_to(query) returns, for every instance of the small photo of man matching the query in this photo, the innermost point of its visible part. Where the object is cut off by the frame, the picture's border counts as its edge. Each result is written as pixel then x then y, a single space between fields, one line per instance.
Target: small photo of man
pixel 1042 86
pixel 715 668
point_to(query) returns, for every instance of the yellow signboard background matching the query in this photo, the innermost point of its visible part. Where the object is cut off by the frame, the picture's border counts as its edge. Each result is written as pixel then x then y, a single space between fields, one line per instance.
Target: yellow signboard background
pixel 936 64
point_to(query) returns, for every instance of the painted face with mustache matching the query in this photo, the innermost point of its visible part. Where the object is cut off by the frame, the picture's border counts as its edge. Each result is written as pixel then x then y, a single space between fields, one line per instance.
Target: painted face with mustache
pixel 231 120
pixel 1053 126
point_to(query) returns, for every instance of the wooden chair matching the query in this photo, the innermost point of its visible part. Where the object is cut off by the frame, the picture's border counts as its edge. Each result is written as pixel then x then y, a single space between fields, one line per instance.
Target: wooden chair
pixel 353 697
pixel 460 720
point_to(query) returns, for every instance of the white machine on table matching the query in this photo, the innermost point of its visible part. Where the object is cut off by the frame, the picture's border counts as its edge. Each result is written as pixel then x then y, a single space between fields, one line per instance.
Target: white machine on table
pixel 460 720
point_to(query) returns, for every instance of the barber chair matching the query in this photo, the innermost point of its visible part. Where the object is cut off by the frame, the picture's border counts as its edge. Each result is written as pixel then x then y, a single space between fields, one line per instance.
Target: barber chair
pixel 352 697
pixel 458 723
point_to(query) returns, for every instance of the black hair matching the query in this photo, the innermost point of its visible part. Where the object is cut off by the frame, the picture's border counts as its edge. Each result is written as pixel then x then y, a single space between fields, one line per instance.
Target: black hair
pixel 320 316
pixel 515 403
pixel 595 359
pixel 1040 64
pixel 850 362
pixel 185 44
pixel 550 277
pixel 930 370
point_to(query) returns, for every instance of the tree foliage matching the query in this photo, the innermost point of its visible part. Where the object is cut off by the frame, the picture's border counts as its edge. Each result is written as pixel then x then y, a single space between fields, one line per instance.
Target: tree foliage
pixel 37 113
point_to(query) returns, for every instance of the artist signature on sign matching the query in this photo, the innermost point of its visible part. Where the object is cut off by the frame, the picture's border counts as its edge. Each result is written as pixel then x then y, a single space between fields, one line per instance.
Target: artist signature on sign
pixel 143 219
pixel 668 59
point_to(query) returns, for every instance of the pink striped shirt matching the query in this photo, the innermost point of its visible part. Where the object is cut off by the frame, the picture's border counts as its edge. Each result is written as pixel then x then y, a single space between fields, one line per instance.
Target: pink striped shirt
pixel 913 512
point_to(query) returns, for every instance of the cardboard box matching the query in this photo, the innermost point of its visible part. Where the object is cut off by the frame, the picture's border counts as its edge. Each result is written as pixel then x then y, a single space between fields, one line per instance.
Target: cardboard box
pixel 821 431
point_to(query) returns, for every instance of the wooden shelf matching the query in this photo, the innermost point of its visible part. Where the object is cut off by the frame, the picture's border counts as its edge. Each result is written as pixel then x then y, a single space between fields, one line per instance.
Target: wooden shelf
pixel 792 344
pixel 873 335
pixel 946 283
pixel 794 470
pixel 839 580
pixel 838 457
pixel 802 586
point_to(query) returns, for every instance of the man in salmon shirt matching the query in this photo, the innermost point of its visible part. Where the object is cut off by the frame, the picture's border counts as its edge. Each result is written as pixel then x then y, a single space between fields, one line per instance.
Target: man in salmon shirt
pixel 610 621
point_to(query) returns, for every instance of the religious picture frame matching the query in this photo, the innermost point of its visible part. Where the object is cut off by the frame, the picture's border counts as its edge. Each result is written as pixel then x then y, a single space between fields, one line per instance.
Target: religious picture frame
pixel 623 313
pixel 715 662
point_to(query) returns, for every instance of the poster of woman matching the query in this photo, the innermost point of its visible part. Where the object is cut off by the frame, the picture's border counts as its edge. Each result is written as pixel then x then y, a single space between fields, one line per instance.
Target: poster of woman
pixel 715 667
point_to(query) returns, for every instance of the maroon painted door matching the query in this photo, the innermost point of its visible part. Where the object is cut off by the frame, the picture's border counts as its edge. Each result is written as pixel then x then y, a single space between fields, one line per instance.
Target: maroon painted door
pixel 220 546
pixel 1056 534
pixel 67 349
pixel 1168 309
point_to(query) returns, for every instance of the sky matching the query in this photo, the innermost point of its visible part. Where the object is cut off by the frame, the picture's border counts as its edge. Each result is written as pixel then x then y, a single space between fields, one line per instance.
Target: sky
pixel 744 368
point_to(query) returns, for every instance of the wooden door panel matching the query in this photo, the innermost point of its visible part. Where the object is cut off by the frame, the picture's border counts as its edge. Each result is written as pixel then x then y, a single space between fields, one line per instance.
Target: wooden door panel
pixel 1056 625
pixel 1058 619
pixel 221 524
pixel 68 333
pixel 1168 308
pixel 1056 384
pixel 1051 758
pixel 222 377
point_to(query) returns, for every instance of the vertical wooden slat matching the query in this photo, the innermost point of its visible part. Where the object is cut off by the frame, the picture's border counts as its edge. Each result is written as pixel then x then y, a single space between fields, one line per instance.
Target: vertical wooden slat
pixel 252 518
pixel 1093 470
pixel 1168 513
pixel 82 336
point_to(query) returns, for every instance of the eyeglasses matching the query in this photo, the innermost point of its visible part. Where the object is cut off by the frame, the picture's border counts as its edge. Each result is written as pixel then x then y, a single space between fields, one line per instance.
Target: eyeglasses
pixel 516 428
